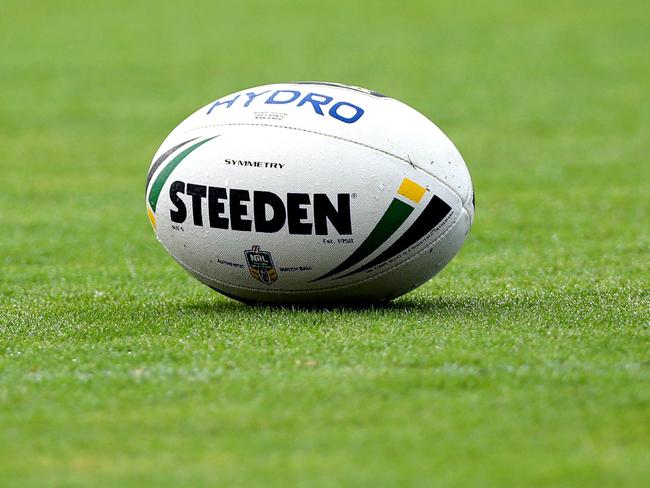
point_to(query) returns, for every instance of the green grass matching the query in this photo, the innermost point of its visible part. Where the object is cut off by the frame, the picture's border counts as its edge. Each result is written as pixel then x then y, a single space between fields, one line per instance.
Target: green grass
pixel 525 363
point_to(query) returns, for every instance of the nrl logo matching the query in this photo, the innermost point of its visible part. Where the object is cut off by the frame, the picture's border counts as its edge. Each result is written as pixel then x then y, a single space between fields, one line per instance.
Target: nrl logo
pixel 260 265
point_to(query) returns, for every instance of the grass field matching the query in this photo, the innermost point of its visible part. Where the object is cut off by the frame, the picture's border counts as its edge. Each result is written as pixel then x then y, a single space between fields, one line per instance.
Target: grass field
pixel 525 363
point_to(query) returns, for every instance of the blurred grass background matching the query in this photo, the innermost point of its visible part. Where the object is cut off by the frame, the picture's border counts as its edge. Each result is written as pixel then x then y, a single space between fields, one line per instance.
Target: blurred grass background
pixel 525 363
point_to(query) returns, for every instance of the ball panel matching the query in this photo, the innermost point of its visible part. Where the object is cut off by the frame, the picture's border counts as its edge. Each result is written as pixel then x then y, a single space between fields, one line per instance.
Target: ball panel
pixel 390 284
pixel 386 124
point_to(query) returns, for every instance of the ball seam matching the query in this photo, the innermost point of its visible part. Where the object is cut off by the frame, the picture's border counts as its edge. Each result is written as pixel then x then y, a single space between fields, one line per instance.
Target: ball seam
pixel 317 290
pixel 368 146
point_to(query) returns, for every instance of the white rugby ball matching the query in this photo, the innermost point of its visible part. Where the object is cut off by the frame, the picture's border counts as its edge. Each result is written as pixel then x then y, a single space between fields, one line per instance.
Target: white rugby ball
pixel 309 193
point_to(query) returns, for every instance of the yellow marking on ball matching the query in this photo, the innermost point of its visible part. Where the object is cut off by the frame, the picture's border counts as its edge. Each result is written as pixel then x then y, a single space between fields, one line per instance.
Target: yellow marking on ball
pixel 152 218
pixel 411 190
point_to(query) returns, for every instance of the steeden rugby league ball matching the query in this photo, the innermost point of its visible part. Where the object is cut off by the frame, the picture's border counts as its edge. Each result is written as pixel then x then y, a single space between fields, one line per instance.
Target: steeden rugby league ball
pixel 309 193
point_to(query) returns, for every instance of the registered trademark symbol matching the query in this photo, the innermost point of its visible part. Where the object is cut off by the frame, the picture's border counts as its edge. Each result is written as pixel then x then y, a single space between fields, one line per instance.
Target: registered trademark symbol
pixel 354 195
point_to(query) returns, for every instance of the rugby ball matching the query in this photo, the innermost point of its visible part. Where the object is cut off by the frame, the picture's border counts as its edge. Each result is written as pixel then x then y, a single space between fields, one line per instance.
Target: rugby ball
pixel 309 193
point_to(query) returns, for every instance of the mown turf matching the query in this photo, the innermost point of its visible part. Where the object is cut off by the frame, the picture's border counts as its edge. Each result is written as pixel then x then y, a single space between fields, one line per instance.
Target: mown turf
pixel 525 363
